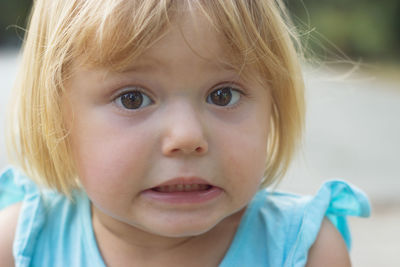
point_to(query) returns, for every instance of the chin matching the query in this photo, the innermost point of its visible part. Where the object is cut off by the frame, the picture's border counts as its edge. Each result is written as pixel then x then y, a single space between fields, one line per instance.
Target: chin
pixel 189 227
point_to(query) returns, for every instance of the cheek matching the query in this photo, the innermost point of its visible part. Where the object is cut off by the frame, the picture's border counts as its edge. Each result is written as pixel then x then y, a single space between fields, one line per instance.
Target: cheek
pixel 247 160
pixel 108 156
pixel 244 154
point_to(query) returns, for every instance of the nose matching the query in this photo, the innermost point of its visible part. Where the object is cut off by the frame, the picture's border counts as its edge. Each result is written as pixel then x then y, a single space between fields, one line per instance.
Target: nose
pixel 184 132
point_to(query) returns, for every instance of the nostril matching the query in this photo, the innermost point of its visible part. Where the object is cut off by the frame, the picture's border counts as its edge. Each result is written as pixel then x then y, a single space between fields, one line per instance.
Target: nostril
pixel 175 146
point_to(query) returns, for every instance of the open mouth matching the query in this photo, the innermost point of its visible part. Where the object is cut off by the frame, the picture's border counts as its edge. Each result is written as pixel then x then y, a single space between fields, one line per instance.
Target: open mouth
pixel 182 188
pixel 183 191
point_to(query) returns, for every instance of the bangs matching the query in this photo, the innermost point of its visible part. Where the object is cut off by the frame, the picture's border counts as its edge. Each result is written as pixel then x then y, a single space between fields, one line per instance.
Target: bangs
pixel 113 33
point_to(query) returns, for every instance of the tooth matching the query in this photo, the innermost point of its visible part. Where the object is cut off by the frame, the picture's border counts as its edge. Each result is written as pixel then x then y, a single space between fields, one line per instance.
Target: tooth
pixel 182 188
pixel 195 187
pixel 203 187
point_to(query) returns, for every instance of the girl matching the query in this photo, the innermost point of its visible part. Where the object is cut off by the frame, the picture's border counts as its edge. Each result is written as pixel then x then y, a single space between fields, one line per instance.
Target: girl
pixel 150 129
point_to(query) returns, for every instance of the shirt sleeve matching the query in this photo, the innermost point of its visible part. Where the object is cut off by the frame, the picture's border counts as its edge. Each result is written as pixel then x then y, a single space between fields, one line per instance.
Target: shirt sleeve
pixel 11 191
pixel 16 187
pixel 335 200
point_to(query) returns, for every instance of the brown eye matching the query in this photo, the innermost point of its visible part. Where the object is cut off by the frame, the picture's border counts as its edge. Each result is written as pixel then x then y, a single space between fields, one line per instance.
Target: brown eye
pixel 133 100
pixel 225 96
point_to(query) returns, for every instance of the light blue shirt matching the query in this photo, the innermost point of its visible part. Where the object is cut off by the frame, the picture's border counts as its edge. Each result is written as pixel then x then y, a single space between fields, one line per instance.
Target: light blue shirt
pixel 277 228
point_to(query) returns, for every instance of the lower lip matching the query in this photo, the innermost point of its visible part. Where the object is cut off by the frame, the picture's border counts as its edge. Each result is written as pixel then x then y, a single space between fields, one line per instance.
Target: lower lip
pixel 194 197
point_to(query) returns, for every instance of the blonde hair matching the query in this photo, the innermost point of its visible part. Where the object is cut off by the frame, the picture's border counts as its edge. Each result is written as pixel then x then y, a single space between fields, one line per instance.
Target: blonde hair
pixel 113 33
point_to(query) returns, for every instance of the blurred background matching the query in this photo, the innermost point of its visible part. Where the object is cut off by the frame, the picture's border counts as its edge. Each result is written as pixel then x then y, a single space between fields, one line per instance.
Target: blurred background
pixel 352 71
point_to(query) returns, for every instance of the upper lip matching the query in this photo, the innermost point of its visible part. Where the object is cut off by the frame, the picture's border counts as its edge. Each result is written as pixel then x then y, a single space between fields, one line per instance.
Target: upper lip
pixel 184 181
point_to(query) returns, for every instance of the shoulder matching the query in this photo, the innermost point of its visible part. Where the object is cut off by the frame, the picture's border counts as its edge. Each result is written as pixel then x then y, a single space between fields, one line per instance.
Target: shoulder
pixel 329 248
pixel 8 225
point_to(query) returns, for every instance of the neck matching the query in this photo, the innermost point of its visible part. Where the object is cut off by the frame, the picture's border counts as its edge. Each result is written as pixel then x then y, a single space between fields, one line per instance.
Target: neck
pixel 124 245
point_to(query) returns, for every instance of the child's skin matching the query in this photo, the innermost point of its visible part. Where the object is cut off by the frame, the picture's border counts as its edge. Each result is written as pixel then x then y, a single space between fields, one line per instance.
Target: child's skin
pixel 177 131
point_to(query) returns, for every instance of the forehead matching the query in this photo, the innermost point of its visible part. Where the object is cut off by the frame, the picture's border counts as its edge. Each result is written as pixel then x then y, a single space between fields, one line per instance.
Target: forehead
pixel 190 36
pixel 187 31
pixel 132 29
pixel 189 42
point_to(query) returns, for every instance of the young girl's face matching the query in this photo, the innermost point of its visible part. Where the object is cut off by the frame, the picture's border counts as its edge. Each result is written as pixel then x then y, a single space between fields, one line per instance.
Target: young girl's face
pixel 176 143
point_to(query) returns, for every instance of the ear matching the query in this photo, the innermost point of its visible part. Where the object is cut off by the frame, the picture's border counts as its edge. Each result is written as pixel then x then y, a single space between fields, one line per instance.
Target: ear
pixel 329 249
